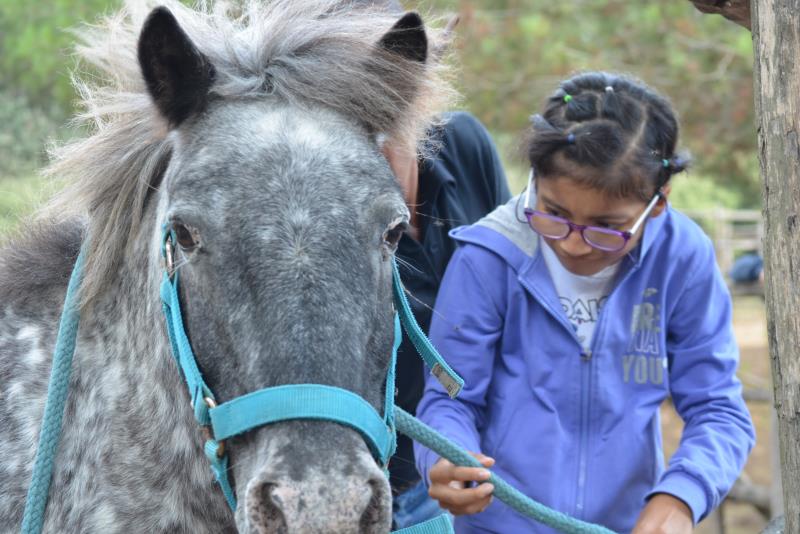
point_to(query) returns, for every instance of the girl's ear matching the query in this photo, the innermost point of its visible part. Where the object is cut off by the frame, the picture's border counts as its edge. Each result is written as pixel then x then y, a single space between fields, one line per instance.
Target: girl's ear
pixel 661 205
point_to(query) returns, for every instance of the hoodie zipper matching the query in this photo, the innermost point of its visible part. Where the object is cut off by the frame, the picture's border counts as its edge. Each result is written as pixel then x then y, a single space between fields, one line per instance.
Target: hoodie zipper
pixel 586 367
pixel 586 393
pixel 585 397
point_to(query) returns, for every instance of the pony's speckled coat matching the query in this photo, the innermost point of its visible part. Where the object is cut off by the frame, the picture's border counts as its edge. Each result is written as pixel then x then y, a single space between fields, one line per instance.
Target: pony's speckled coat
pixel 283 183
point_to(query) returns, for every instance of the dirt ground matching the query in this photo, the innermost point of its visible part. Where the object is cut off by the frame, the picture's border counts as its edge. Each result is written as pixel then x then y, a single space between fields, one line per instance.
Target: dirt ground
pixel 754 371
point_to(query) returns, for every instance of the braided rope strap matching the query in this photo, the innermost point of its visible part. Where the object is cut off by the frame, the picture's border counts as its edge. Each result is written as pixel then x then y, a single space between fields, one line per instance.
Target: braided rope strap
pixel 57 389
pixel 418 431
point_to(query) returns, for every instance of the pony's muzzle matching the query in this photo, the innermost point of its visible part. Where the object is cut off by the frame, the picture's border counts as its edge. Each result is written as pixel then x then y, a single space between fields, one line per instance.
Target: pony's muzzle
pixel 343 502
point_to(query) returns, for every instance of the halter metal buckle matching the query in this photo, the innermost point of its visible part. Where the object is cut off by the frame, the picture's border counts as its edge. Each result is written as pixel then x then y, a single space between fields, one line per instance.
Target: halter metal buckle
pixel 207 429
pixel 169 257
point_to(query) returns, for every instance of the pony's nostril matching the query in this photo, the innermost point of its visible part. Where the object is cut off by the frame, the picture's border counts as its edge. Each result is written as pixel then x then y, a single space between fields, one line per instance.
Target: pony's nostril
pixel 377 512
pixel 264 511
pixel 270 498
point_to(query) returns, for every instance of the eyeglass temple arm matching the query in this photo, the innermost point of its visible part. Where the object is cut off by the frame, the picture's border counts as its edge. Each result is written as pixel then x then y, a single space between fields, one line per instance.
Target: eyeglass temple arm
pixel 658 196
pixel 528 190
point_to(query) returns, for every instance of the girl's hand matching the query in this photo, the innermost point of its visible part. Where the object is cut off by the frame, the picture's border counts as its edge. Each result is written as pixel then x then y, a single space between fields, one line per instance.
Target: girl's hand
pixel 664 514
pixel 448 486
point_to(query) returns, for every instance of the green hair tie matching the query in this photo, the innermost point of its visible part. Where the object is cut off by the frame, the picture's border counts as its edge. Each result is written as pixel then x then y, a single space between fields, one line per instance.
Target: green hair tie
pixel 567 98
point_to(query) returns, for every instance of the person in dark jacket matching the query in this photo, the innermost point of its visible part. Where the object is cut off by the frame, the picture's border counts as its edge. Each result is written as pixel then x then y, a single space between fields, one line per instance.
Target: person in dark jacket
pixel 459 184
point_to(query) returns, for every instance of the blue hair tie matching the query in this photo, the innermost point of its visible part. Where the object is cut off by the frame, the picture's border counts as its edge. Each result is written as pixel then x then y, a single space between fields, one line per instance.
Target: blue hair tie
pixel 571 139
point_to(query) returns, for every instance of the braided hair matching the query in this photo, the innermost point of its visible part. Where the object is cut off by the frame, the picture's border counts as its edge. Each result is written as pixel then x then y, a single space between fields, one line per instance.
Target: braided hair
pixel 608 132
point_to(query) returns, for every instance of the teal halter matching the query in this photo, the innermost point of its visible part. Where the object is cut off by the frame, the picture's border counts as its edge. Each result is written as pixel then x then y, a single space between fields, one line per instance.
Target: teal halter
pixel 298 401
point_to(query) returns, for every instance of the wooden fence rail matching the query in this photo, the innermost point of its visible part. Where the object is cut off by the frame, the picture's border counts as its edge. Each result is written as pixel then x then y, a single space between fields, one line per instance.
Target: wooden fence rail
pixel 733 232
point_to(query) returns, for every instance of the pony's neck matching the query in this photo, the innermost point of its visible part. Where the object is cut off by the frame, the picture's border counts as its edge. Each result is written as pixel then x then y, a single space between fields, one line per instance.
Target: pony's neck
pixel 129 316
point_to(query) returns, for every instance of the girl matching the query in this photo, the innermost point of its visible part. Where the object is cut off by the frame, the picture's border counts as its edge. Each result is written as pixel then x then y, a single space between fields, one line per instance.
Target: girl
pixel 572 312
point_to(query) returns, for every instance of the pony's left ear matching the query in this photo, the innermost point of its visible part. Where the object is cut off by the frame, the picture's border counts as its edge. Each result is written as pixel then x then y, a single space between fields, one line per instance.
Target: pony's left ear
pixel 177 74
pixel 407 38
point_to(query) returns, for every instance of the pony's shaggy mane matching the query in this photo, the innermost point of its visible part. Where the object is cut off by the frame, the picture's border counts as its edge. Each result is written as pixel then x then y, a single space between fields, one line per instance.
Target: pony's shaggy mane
pixel 317 52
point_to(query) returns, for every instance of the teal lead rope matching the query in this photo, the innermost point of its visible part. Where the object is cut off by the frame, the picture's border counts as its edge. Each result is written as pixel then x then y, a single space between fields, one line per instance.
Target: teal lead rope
pixel 418 431
pixel 57 391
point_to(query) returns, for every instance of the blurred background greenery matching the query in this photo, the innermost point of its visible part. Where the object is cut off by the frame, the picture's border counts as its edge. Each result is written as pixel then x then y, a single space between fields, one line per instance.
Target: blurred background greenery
pixel 512 54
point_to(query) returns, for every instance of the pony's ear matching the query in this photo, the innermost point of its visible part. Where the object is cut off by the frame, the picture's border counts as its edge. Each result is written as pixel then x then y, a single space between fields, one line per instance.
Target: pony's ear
pixel 407 38
pixel 177 74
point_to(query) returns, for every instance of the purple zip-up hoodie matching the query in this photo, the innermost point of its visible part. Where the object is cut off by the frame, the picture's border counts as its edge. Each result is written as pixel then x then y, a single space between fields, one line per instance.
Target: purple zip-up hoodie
pixel 579 430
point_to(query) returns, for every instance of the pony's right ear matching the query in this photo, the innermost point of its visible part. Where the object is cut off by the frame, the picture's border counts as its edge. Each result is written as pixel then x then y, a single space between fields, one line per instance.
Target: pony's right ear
pixel 177 74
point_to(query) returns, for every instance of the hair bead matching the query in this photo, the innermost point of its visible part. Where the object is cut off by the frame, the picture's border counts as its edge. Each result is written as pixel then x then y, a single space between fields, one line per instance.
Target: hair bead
pixel 609 89
pixel 571 138
pixel 567 98
pixel 665 162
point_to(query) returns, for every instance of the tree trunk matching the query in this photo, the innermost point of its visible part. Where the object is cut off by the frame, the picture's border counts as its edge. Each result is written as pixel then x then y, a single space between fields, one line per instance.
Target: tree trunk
pixel 776 38
pixel 736 10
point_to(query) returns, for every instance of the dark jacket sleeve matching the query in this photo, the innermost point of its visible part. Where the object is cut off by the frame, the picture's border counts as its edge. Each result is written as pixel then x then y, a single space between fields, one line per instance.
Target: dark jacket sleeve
pixel 467 144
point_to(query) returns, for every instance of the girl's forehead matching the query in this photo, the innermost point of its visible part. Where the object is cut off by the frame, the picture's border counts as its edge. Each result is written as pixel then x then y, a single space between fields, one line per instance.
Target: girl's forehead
pixel 587 201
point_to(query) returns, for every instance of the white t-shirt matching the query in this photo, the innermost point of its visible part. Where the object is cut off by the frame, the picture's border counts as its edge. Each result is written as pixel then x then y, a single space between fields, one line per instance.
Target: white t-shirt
pixel 581 297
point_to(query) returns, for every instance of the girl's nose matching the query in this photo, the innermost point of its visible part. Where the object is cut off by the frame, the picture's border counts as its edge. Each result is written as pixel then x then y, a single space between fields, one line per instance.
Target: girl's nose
pixel 574 245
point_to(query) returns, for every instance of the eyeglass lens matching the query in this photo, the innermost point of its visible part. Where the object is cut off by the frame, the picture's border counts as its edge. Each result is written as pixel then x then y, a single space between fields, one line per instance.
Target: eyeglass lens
pixel 556 228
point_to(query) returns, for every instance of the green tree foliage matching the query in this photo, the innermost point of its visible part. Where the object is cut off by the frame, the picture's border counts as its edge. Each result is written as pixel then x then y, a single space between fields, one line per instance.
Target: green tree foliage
pixel 23 128
pixel 36 95
pixel 35 49
pixel 514 52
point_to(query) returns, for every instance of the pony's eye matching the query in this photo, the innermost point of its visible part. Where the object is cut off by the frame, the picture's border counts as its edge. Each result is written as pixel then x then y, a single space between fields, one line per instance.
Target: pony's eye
pixel 187 239
pixel 391 237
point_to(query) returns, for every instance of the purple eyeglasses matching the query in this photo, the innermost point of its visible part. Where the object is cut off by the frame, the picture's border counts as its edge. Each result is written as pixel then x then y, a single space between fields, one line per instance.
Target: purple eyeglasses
pixel 604 239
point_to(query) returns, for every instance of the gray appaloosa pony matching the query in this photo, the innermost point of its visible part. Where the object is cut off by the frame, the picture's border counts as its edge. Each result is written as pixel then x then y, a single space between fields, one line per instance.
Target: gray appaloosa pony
pixel 253 131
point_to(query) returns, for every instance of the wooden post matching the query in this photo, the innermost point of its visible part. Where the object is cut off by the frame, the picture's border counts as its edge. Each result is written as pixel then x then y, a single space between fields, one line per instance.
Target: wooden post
pixel 775 490
pixel 776 39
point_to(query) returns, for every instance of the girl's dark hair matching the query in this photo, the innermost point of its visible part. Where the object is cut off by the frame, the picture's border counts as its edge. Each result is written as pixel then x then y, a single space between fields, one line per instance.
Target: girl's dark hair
pixel 609 132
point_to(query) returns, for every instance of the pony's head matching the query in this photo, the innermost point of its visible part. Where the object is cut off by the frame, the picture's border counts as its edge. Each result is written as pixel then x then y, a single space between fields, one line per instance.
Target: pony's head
pixel 259 150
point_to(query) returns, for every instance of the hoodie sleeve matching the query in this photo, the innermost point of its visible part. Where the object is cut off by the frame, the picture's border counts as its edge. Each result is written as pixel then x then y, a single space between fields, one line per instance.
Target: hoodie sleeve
pixel 466 327
pixel 718 433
